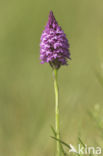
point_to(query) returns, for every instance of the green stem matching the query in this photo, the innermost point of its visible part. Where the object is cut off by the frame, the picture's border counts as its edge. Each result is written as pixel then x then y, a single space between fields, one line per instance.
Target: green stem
pixel 57 112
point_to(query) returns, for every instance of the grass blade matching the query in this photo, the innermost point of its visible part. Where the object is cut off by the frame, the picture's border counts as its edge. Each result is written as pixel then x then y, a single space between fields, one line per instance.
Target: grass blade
pixel 65 144
pixel 62 150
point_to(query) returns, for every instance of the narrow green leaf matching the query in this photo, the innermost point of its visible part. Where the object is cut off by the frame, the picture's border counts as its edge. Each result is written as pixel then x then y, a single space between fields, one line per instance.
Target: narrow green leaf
pixel 65 144
pixel 61 142
pixel 81 142
pixel 53 130
pixel 62 150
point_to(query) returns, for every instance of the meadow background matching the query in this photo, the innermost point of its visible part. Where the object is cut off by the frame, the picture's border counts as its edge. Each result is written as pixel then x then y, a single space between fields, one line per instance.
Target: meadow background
pixel 26 86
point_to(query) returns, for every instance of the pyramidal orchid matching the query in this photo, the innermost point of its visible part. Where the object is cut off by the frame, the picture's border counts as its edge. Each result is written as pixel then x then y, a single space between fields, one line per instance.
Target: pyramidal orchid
pixel 54 46
pixel 54 49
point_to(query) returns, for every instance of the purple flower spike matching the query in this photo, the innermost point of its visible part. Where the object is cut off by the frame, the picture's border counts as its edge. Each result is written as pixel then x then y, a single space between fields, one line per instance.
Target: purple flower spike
pixel 54 46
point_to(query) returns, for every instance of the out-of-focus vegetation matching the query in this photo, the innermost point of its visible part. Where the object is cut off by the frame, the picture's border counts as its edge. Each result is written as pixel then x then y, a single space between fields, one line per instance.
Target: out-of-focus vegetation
pixel 26 86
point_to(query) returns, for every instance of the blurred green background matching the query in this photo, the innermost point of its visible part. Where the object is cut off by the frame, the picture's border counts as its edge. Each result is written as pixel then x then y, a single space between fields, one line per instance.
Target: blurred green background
pixel 26 86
